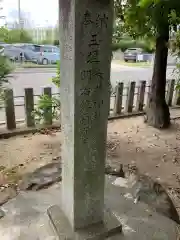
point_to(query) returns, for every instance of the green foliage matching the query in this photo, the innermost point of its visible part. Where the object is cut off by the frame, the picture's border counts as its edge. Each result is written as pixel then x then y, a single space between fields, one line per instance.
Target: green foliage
pixel 5 70
pixel 51 36
pixel 14 35
pixel 176 44
pixel 56 79
pixel 56 42
pixel 4 33
pixel 46 106
pixel 45 41
pixel 150 17
pixel 19 36
pixel 118 28
pixel 117 32
pixel 124 44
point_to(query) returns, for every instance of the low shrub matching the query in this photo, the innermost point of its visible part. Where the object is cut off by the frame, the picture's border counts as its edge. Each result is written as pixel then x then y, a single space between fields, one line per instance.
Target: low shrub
pixel 46 106
pixel 124 44
pixel 5 70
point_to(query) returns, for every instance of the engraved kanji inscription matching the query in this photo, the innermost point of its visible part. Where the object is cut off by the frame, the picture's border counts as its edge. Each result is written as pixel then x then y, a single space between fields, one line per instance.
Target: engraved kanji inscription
pixel 94 42
pixel 93 56
pixel 90 74
pixel 87 20
pixel 101 21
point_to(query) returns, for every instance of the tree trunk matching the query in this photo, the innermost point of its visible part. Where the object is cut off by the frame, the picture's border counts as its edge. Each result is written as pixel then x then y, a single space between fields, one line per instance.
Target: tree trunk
pixel 157 112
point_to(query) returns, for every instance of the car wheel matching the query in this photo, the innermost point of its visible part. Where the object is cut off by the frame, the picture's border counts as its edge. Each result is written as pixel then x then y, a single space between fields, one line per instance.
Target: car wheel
pixel 125 60
pixel 44 61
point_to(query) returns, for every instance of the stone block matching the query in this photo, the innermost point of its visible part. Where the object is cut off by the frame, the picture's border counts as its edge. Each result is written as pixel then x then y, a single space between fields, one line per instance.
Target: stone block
pixel 108 228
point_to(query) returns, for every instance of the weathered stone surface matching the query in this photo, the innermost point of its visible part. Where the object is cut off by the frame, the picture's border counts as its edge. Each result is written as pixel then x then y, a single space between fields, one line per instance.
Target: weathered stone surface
pixel 86 36
pixel 42 177
pixel 108 228
pixel 118 172
pixel 47 175
pixel 26 218
pixel 7 194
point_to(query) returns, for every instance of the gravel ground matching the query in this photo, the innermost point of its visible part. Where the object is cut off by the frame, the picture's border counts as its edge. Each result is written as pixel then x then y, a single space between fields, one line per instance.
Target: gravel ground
pixel 129 141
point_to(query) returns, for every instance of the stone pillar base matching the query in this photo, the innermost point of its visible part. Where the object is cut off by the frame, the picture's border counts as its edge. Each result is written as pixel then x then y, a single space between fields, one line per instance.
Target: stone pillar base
pixel 109 228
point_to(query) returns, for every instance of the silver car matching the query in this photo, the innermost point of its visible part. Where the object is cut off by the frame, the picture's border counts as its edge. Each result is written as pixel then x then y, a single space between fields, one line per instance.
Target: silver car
pixel 15 53
pixel 44 54
pixel 49 54
pixel 131 54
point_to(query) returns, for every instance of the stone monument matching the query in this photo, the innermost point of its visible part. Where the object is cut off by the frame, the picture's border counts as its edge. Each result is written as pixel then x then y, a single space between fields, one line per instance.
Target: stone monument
pixel 85 39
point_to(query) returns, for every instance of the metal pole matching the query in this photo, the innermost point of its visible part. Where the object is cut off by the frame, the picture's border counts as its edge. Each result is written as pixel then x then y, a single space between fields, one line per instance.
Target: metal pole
pixel 19 14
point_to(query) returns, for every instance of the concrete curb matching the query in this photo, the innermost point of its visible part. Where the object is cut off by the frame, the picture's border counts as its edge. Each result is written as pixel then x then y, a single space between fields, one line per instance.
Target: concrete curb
pixel 126 115
pixel 33 70
pixel 5 134
pixel 24 130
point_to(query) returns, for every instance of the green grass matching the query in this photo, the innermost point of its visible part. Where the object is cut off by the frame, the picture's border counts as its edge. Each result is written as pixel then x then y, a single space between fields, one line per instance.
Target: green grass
pixel 130 64
pixel 134 64
pixel 33 65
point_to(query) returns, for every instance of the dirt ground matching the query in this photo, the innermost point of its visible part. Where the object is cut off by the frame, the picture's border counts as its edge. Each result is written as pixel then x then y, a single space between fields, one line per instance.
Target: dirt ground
pixel 129 141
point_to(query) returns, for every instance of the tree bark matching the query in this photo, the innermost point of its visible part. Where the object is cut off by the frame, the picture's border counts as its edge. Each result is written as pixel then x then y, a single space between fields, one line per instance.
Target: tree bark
pixel 157 112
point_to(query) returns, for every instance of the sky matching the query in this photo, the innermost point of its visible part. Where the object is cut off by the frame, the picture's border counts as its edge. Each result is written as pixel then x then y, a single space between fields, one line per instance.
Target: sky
pixel 41 12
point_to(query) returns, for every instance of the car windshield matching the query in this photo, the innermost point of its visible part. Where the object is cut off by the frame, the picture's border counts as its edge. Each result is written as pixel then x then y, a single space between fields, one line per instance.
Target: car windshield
pixel 46 49
pixel 50 49
pixel 133 50
pixel 36 48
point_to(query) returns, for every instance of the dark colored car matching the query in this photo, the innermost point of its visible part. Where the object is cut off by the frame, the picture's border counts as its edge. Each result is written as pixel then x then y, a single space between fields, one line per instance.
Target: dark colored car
pixel 131 54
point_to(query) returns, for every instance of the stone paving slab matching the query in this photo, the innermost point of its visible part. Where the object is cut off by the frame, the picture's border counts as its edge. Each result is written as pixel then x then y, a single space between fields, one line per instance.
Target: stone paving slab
pixel 42 177
pixel 110 227
pixel 26 216
pixel 52 173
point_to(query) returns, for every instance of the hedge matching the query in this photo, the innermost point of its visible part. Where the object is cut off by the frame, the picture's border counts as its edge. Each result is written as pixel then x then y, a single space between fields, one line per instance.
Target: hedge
pixel 124 44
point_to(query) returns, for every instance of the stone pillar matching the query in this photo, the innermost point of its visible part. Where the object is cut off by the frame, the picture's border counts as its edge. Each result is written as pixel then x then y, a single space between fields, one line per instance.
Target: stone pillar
pixel 86 36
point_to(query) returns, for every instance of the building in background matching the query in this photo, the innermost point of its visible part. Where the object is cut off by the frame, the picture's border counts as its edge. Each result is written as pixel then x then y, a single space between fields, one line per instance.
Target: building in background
pixel 46 34
pixel 38 34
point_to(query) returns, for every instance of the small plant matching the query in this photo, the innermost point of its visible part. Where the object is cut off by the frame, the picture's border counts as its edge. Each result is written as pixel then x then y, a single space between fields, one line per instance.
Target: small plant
pixel 48 108
pixel 5 70
pixel 56 79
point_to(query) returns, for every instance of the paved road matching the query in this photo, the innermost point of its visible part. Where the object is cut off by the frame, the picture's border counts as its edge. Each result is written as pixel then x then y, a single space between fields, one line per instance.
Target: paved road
pixel 39 78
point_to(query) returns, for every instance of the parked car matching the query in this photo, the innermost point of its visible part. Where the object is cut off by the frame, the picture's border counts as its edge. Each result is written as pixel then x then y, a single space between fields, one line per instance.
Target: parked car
pixel 4 44
pixel 49 54
pixel 11 52
pixel 131 54
pixel 31 50
pixel 16 53
pixel 45 54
